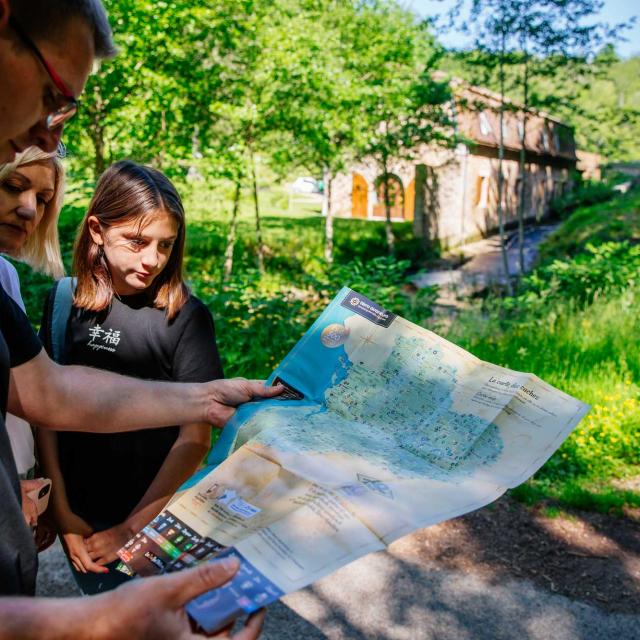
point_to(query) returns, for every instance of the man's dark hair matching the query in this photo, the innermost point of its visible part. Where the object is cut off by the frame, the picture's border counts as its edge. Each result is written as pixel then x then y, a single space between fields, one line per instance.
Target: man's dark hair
pixel 46 20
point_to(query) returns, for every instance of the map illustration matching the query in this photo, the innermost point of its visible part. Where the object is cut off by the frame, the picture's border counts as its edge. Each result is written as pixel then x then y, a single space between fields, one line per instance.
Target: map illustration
pixel 397 416
pixel 384 427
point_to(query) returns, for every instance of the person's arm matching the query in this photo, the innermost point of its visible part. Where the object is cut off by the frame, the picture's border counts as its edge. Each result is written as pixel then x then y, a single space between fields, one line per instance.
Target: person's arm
pixel 47 443
pixel 146 608
pixel 72 528
pixel 181 462
pixel 83 399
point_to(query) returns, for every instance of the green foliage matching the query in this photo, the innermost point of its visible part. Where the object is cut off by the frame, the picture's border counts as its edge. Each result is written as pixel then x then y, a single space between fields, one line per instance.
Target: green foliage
pixel 617 220
pixel 606 116
pixel 573 324
pixel 259 319
pixel 583 195
pixel 597 271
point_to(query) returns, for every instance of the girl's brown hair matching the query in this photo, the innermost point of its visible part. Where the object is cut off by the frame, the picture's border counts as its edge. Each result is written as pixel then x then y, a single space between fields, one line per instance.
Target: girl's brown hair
pixel 128 191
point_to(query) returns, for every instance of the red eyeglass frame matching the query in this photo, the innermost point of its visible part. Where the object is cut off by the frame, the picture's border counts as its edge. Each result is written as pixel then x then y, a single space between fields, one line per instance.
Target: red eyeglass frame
pixel 70 108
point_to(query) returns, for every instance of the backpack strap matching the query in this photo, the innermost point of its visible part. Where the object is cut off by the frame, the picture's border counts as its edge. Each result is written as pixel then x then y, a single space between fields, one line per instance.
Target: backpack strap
pixel 62 303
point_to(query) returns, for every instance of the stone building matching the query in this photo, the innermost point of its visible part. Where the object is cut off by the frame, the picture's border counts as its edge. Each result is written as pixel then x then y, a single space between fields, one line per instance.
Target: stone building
pixel 589 165
pixel 451 195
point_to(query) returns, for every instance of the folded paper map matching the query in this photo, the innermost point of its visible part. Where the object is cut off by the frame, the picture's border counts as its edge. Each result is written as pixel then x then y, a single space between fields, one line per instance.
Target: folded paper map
pixel 384 428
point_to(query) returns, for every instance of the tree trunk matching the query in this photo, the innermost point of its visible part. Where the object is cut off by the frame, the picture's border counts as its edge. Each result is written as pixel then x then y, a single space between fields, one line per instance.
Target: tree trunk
pixel 421 227
pixel 259 245
pixel 503 247
pixel 391 240
pixel 161 142
pixel 97 136
pixel 99 162
pixel 231 237
pixel 328 221
pixel 522 190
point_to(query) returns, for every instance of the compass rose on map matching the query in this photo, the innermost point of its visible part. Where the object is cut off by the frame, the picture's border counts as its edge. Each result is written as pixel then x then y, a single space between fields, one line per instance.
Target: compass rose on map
pixel 376 486
pixel 367 339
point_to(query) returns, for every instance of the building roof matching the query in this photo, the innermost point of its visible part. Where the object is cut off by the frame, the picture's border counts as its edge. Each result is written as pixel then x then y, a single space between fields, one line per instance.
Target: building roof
pixel 477 115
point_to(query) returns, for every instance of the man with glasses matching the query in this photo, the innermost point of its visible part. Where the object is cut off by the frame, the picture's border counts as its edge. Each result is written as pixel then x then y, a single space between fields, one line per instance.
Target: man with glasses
pixel 63 106
pixel 47 48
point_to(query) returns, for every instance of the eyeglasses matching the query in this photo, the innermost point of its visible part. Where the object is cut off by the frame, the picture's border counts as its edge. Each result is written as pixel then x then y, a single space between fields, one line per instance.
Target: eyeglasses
pixel 70 105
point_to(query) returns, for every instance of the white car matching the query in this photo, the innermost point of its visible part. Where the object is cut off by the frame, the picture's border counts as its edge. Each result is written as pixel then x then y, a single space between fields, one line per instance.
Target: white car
pixel 305 184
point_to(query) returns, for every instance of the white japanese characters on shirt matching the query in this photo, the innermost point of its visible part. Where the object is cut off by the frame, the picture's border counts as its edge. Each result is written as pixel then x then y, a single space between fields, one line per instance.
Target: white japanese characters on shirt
pixel 103 339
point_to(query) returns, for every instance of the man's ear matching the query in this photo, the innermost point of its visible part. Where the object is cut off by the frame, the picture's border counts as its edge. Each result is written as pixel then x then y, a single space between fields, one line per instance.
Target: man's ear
pixel 95 230
pixel 5 10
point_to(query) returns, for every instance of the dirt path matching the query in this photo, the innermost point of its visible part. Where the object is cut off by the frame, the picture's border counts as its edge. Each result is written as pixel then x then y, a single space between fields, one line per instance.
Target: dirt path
pixel 588 557
pixel 483 265
pixel 503 572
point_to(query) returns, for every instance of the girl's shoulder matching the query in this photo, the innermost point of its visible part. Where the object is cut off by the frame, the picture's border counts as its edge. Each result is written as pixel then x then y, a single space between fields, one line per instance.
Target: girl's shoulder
pixel 193 309
pixel 194 303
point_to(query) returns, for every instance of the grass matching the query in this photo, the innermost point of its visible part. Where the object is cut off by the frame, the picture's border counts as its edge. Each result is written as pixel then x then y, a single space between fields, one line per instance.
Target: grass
pixel 585 346
pixel 616 220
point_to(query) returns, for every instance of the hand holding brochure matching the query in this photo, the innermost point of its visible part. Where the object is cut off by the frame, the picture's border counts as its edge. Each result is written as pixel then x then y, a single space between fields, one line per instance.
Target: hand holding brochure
pixel 385 428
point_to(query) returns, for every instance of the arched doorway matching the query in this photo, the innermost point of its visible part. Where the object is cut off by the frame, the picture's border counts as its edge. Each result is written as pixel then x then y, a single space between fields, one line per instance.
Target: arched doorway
pixel 396 197
pixel 359 196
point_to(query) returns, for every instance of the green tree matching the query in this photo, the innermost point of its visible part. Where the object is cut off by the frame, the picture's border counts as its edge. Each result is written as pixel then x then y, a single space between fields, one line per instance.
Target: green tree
pixel 491 28
pixel 321 126
pixel 606 116
pixel 402 105
pixel 148 101
pixel 553 37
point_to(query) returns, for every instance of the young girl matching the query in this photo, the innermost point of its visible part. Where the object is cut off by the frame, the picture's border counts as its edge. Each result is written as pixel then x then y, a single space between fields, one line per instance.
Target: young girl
pixel 131 314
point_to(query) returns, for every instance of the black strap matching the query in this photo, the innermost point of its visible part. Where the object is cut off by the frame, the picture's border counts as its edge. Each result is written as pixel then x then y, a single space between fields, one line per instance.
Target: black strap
pixel 62 303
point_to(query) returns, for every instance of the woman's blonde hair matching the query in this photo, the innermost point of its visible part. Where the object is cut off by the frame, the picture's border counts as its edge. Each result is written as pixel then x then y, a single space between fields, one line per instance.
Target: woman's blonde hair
pixel 41 249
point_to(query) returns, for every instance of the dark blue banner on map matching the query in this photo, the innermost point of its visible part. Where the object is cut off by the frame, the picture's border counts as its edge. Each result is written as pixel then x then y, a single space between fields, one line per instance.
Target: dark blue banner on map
pixel 368 309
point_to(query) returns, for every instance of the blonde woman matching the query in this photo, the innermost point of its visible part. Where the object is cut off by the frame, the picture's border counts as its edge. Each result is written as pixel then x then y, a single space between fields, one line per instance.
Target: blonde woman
pixel 31 193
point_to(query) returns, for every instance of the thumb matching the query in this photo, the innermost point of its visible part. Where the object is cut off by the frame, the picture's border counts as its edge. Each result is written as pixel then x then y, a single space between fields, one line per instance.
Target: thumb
pixel 31 485
pixel 259 389
pixel 183 586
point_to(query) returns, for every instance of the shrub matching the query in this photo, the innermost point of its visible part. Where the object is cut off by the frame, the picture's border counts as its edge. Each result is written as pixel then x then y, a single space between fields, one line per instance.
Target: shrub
pixel 587 193
pixel 259 319
pixel 601 269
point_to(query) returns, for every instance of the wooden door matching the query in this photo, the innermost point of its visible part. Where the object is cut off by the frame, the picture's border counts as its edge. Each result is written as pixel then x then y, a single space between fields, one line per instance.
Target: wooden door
pixel 410 200
pixel 359 196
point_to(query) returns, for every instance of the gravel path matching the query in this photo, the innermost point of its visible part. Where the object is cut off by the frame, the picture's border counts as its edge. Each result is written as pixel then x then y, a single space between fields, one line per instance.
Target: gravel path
pixel 484 266
pixel 393 596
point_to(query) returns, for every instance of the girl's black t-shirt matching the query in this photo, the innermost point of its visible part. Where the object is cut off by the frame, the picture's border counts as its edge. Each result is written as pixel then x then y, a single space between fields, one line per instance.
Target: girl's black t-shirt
pixel 106 475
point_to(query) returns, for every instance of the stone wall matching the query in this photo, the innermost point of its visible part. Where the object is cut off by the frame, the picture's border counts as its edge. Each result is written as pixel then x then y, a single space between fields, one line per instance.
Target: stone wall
pixel 458 201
